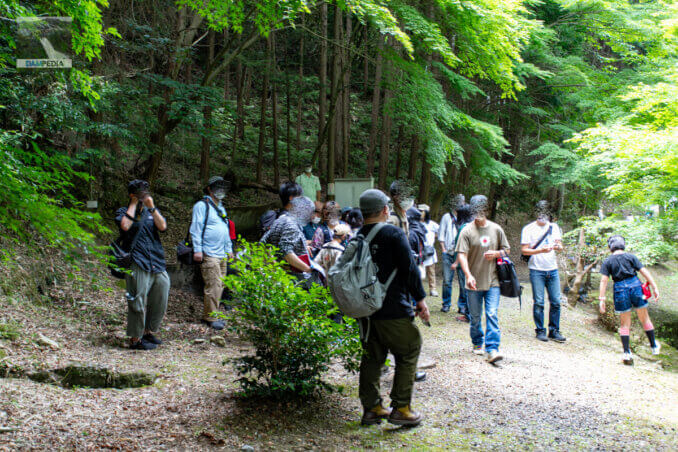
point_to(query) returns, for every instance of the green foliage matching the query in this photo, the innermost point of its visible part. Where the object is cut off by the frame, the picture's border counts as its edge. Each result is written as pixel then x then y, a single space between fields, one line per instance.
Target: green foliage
pixel 289 327
pixel 653 240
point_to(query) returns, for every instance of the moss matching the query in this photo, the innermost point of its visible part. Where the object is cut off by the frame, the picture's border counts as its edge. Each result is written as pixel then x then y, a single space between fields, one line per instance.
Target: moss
pixel 10 331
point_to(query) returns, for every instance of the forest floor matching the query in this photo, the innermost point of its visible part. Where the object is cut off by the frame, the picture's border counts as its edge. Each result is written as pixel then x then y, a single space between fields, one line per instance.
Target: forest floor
pixel 575 395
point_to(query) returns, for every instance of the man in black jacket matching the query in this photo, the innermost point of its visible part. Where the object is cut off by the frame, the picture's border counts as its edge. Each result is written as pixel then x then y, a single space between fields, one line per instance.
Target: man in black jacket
pixel 391 328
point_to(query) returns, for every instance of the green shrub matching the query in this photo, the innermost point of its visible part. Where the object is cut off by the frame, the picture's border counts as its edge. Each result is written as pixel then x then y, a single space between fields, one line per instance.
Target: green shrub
pixel 289 327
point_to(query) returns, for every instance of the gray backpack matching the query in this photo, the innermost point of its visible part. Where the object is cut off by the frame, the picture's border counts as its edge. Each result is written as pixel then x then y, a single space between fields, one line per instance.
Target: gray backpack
pixel 353 278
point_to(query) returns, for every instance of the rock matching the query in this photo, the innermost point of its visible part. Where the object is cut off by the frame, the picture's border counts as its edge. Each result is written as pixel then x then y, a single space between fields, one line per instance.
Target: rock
pixel 246 447
pixel 198 340
pixel 47 342
pixel 219 341
pixel 92 377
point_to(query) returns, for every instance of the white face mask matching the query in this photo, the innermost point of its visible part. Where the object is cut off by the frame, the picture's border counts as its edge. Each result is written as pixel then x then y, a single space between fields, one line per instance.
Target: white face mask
pixel 308 170
pixel 406 204
pixel 316 220
pixel 220 194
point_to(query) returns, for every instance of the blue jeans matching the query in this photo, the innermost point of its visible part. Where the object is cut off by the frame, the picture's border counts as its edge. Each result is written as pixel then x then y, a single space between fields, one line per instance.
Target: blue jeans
pixel 475 309
pixel 627 294
pixel 462 301
pixel 548 281
pixel 448 277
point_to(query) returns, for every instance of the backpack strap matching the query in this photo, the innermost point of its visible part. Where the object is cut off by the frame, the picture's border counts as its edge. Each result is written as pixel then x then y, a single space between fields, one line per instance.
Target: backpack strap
pixel 543 237
pixel 368 239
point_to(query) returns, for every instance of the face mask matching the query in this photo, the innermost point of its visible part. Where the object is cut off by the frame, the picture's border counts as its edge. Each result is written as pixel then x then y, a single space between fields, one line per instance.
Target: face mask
pixel 309 170
pixel 316 220
pixel 220 194
pixel 406 204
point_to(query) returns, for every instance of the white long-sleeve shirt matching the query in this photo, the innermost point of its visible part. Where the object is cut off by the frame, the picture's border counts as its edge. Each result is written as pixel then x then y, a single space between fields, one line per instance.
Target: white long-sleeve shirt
pixel 447 233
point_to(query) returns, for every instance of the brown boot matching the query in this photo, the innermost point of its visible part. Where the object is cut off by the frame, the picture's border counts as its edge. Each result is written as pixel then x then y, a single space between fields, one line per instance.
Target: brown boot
pixel 405 416
pixel 375 415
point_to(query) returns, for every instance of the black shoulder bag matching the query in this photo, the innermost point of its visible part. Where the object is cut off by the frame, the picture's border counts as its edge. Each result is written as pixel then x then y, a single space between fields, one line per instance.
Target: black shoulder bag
pixel 121 259
pixel 185 248
pixel 525 258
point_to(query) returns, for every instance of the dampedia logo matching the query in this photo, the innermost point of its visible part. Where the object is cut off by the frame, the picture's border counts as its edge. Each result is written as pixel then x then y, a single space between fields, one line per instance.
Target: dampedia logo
pixel 43 42
pixel 44 63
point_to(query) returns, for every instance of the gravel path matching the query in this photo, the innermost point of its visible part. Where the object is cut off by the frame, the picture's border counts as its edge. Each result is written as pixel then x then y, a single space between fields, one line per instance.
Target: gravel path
pixel 543 396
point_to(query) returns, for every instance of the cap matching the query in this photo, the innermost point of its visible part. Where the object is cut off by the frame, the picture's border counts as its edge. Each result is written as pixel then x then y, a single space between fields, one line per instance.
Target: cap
pixel 214 179
pixel 373 200
pixel 423 207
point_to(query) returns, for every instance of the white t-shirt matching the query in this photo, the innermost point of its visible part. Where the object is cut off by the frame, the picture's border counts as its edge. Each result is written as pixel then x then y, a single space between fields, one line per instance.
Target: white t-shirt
pixel 431 231
pixel 531 235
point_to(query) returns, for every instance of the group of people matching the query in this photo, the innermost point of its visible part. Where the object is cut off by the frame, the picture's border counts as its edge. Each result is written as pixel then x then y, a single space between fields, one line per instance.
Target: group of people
pixel 310 236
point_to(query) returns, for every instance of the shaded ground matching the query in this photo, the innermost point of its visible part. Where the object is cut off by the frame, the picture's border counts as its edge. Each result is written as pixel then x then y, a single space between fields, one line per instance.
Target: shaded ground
pixel 544 395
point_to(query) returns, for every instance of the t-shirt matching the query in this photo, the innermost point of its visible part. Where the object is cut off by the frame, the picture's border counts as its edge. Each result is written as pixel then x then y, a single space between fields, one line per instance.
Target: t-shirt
pixel 310 185
pixel 474 241
pixel 390 250
pixel 431 232
pixel 621 266
pixel 148 253
pixel 531 235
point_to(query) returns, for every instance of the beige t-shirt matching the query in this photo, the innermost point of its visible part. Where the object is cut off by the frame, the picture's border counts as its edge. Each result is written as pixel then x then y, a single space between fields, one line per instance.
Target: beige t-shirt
pixel 474 241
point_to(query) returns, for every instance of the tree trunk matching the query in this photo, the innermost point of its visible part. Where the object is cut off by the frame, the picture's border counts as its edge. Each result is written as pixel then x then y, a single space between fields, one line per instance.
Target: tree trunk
pixel 335 121
pixel 274 107
pixel 374 119
pixel 414 155
pixel 300 88
pixel 425 185
pixel 288 141
pixel 581 271
pixel 207 124
pixel 322 90
pixel 399 151
pixel 262 116
pixel 239 110
pixel 346 61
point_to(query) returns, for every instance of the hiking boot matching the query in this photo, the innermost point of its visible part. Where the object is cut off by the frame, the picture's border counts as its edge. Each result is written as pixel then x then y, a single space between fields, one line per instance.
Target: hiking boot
pixel 142 345
pixel 445 309
pixel 541 335
pixel 493 356
pixel 215 325
pixel 152 339
pixel 627 359
pixel 556 336
pixel 657 348
pixel 462 318
pixel 420 376
pixel 478 350
pixel 405 416
pixel 375 415
pixel 434 293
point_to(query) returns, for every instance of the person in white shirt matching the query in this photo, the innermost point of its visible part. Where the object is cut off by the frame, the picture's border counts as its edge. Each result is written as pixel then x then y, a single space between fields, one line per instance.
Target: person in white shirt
pixel 539 241
pixel 430 253
pixel 447 235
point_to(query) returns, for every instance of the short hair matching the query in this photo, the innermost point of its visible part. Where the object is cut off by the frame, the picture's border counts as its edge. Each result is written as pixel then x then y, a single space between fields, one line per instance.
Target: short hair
pixel 367 214
pixel 616 242
pixel 289 190
pixel 354 218
pixel 137 185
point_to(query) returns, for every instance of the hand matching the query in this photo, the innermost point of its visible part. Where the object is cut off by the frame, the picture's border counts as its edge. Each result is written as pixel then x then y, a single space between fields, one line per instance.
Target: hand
pixel 422 311
pixel 454 266
pixel 547 249
pixel 558 246
pixel 656 294
pixel 470 282
pixel 601 306
pixel 148 202
pixel 490 255
pixel 133 200
pixel 197 257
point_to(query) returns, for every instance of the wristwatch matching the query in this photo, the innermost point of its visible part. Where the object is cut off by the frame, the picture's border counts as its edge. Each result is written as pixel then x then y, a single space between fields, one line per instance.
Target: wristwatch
pixel 152 210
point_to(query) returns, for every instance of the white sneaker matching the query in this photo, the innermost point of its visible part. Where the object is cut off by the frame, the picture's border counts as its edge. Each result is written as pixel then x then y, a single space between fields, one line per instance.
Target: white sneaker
pixel 627 359
pixel 478 350
pixel 657 348
pixel 434 293
pixel 494 356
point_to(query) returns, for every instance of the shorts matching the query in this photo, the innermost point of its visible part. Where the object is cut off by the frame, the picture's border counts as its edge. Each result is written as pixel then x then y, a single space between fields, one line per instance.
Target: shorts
pixel 628 294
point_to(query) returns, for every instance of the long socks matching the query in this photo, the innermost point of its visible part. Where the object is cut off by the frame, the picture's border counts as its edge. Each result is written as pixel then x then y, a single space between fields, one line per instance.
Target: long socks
pixel 649 330
pixel 624 335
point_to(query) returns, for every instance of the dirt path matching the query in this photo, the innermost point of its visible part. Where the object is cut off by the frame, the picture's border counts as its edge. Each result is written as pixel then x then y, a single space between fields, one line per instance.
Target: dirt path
pixel 543 396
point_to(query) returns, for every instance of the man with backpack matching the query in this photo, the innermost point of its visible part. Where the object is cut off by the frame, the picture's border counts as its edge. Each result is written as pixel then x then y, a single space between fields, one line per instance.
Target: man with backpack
pixel 479 246
pixel 539 242
pixel 212 244
pixel 391 328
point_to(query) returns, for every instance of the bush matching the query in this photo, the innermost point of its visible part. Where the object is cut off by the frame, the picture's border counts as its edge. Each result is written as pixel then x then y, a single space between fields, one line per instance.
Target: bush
pixel 294 339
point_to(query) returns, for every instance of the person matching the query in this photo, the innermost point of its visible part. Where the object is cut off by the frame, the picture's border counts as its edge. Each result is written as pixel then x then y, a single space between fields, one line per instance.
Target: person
pixel 430 261
pixel 355 220
pixel 401 193
pixel 416 237
pixel 330 218
pixel 463 218
pixel 540 240
pixel 288 236
pixel 446 237
pixel 623 267
pixel 309 183
pixel 316 218
pixel 392 327
pixel 147 284
pixel 211 247
pixel 331 251
pixel 479 246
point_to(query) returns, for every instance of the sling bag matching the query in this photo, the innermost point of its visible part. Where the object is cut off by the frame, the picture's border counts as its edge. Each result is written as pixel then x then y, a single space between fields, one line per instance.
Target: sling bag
pixel 525 258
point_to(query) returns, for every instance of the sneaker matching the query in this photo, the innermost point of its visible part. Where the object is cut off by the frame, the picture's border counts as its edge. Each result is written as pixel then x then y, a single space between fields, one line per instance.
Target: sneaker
pixel 142 345
pixel 478 350
pixel 152 339
pixel 375 415
pixel 556 336
pixel 420 375
pixel 657 348
pixel 434 293
pixel 627 359
pixel 405 416
pixel 445 309
pixel 462 318
pixel 541 335
pixel 215 325
pixel 493 356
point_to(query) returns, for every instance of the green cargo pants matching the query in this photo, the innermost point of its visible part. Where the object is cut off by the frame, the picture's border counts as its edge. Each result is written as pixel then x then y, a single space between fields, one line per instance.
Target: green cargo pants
pixel 146 300
pixel 402 338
